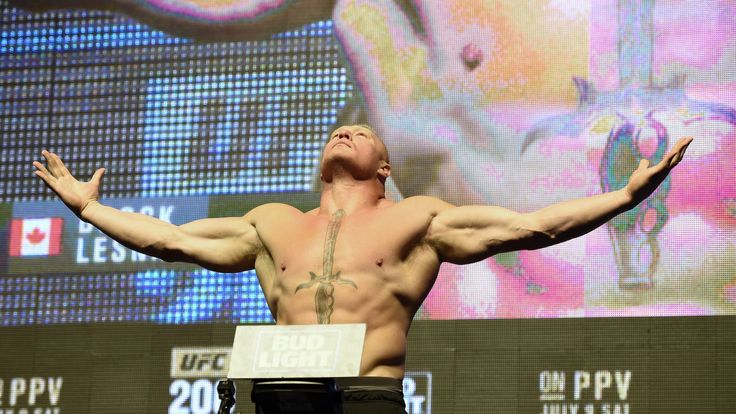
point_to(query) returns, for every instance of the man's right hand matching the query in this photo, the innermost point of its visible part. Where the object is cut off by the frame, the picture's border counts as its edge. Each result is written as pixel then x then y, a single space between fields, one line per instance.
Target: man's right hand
pixel 75 194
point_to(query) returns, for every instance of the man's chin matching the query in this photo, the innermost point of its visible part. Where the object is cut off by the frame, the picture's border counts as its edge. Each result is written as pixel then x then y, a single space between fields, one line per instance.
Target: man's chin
pixel 338 158
pixel 340 164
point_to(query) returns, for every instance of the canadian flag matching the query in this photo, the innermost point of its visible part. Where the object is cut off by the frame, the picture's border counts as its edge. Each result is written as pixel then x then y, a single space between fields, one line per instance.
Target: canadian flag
pixel 36 237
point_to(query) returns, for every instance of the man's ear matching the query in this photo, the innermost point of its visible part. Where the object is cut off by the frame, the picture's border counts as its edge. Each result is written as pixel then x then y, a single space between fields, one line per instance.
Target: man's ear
pixel 384 170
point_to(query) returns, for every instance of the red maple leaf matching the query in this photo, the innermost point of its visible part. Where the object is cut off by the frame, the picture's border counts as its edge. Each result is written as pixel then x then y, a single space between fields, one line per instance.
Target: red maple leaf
pixel 36 236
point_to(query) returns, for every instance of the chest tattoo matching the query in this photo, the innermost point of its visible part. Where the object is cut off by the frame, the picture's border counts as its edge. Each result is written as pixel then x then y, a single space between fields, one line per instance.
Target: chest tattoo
pixel 324 297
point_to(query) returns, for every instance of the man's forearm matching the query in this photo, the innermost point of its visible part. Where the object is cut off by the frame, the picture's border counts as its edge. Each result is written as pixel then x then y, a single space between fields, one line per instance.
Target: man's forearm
pixel 573 218
pixel 135 231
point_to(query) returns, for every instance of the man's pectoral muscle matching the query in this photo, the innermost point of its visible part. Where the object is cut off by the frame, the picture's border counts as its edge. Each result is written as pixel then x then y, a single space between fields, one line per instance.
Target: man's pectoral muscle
pixel 324 297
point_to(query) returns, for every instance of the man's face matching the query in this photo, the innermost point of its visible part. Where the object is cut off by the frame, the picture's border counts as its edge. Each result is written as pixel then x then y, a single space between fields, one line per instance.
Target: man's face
pixel 355 148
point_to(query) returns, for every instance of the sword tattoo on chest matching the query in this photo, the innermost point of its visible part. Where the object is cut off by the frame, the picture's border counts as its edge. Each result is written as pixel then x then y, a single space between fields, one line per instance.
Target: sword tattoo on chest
pixel 324 297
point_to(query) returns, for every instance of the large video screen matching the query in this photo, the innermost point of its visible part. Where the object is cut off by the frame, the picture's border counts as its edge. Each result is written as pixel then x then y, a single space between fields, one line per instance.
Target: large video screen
pixel 208 109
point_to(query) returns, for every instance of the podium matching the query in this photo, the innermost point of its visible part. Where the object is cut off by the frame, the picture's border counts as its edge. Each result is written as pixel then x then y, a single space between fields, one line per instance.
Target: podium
pixel 294 369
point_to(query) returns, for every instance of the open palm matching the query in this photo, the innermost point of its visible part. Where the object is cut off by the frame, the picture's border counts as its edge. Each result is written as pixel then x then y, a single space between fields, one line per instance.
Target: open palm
pixel 74 193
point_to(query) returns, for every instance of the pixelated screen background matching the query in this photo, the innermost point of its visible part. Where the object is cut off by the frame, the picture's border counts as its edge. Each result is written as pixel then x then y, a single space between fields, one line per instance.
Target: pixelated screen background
pixel 207 109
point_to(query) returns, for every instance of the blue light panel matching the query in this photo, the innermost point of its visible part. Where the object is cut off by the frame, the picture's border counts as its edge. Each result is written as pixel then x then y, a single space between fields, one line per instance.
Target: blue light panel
pixel 167 117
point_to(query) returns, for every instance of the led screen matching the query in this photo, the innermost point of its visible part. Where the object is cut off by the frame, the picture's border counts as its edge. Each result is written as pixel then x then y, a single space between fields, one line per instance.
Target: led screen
pixel 208 109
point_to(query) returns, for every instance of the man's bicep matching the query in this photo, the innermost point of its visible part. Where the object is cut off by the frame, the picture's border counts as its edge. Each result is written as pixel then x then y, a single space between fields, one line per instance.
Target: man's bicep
pixel 468 234
pixel 228 244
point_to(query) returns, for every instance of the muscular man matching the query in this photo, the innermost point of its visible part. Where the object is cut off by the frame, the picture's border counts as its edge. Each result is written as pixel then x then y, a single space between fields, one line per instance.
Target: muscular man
pixel 358 258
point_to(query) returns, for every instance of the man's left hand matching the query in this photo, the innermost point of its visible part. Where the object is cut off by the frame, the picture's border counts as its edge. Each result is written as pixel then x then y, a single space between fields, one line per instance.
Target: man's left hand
pixel 645 179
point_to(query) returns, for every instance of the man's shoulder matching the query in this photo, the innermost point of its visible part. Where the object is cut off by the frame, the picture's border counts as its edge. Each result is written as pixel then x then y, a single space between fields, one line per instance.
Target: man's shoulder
pixel 271 210
pixel 422 203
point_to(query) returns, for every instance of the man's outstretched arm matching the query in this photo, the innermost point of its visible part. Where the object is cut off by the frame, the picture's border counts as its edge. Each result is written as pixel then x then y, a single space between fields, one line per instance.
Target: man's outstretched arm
pixel 221 244
pixel 471 233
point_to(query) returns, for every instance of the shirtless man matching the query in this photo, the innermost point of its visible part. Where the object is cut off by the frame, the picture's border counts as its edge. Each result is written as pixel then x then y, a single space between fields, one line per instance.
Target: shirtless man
pixel 358 258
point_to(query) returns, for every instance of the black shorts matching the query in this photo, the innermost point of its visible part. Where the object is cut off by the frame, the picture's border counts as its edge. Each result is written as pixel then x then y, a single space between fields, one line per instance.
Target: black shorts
pixel 370 395
pixel 378 395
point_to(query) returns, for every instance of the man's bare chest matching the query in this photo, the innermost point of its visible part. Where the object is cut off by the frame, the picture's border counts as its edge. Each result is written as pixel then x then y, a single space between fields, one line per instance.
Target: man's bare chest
pixel 341 242
pixel 352 265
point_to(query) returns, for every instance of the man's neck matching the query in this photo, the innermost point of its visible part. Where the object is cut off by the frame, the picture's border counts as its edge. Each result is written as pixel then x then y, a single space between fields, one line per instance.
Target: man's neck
pixel 350 195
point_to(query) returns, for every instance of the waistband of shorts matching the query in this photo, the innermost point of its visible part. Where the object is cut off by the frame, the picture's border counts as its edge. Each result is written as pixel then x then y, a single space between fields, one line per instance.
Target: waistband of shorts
pixel 349 383
pixel 363 382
